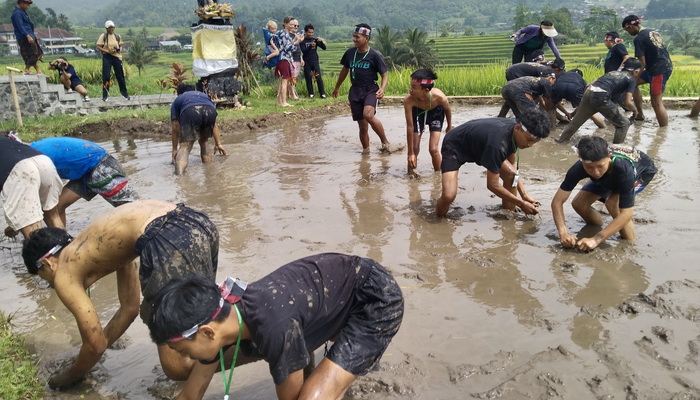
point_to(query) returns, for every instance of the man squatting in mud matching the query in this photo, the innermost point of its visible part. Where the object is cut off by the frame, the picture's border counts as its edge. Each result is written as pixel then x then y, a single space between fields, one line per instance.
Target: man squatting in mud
pixel 617 174
pixel 493 143
pixel 170 240
pixel 282 318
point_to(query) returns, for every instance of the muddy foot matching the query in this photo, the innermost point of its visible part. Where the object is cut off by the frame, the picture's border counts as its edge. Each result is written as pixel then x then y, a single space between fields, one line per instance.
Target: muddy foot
pixel 413 174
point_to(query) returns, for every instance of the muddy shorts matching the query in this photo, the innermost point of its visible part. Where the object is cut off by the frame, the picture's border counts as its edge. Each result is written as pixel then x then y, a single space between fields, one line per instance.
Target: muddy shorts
pixel 197 122
pixel 657 82
pixel 450 160
pixel 32 187
pixel 359 97
pixel 179 243
pixel 373 322
pixel 518 101
pixel 107 179
pixel 31 52
pixel 433 118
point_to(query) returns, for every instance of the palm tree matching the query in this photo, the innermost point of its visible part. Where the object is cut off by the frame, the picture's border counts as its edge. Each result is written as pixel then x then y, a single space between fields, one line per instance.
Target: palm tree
pixel 419 51
pixel 685 39
pixel 389 43
pixel 139 56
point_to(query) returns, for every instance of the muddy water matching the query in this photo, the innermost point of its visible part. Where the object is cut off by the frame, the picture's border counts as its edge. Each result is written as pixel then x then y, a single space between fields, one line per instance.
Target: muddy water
pixel 494 307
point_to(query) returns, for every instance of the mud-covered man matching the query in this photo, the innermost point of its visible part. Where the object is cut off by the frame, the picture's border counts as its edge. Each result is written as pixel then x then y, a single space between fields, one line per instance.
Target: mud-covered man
pixel 425 105
pixel 493 143
pixel 193 118
pixel 282 318
pixel 170 240
pixel 617 174
pixel 90 171
pixel 364 64
pixel 525 94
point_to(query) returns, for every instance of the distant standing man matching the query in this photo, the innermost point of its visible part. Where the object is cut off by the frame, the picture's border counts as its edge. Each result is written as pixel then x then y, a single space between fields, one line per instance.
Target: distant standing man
pixel 531 38
pixel 657 67
pixel 193 117
pixel 363 64
pixel 26 38
pixel 424 106
pixel 29 188
pixel 111 46
pixel 493 143
pixel 90 171
pixel 312 68
pixel 617 174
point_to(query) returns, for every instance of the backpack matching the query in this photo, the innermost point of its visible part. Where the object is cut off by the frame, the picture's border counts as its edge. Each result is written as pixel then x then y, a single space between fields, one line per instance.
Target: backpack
pixel 272 62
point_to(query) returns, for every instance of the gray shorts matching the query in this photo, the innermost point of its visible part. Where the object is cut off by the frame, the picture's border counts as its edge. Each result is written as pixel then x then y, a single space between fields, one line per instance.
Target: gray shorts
pixel 107 179
pixel 197 122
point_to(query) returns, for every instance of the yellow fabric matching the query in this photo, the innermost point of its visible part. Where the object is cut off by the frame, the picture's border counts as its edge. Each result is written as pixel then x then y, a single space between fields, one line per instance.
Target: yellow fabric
pixel 213 45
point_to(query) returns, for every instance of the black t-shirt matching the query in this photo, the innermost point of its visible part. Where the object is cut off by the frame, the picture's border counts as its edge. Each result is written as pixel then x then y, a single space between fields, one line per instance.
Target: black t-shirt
pixel 569 86
pixel 296 53
pixel 649 44
pixel 616 83
pixel 526 69
pixel 530 85
pixel 613 59
pixel 12 152
pixel 629 165
pixel 487 142
pixel 363 67
pixel 298 307
pixel 309 51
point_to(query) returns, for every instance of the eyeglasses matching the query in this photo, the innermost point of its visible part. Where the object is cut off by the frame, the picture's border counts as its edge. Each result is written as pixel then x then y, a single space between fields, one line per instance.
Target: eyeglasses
pixel 54 250
pixel 294 26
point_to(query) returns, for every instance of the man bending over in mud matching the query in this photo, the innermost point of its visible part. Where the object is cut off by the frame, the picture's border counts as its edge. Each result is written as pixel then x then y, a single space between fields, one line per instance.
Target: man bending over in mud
pixel 282 318
pixel 617 174
pixel 493 143
pixel 171 240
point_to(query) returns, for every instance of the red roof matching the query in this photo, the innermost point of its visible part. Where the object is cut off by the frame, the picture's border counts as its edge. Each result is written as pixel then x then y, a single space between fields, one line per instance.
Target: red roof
pixel 43 33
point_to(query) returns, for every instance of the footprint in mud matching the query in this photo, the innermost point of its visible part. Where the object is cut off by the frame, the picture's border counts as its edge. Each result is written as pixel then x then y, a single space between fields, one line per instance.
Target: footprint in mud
pixel 391 379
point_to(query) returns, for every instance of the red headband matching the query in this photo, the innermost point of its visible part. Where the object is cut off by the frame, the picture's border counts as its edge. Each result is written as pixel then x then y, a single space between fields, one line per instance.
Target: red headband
pixel 424 81
pixel 614 39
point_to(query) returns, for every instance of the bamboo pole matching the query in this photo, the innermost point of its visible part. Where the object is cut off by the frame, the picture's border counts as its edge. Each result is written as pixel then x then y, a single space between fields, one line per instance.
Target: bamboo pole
pixel 15 99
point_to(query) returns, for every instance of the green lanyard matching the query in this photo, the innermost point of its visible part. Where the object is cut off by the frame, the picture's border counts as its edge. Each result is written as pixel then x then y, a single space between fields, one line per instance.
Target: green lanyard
pixel 517 154
pixel 352 70
pixel 227 382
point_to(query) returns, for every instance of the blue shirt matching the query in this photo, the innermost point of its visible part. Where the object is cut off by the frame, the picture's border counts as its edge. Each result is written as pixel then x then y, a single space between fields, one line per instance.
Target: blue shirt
pixel 187 100
pixel 72 157
pixel 23 26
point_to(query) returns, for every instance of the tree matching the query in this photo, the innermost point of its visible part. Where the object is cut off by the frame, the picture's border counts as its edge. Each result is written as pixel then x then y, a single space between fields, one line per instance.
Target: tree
pixel 130 33
pixel 389 43
pixel 144 33
pixel 419 51
pixel 523 17
pixel 685 40
pixel 139 56
pixel 600 22
pixel 468 31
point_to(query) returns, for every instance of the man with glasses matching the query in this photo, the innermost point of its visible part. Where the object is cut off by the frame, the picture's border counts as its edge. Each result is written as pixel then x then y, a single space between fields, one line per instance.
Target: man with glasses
pixel 493 143
pixel 170 240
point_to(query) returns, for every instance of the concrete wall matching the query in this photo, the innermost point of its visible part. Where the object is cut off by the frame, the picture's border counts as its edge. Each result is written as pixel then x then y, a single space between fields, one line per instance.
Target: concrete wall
pixel 38 98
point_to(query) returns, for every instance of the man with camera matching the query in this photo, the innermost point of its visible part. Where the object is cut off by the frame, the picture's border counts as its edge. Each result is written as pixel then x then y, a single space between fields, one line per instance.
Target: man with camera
pixel 312 68
pixel 68 77
pixel 111 46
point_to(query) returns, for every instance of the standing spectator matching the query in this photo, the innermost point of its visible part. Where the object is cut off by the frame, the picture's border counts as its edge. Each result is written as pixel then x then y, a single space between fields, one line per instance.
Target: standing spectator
pixel 89 170
pixel 26 38
pixel 111 46
pixel 649 48
pixel 193 117
pixel 68 77
pixel 363 64
pixel 312 68
pixel 296 66
pixel 532 38
pixel 29 188
pixel 617 52
pixel 283 69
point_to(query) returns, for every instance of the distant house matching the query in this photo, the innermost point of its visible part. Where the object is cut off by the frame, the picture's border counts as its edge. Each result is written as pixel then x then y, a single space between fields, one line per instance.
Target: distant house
pixel 52 41
pixel 169 45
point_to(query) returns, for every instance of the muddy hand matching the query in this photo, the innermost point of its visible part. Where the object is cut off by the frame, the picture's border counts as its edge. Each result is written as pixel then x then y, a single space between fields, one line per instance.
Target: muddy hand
pixel 9 232
pixel 568 241
pixel 587 244
pixel 63 379
pixel 220 150
pixel 529 208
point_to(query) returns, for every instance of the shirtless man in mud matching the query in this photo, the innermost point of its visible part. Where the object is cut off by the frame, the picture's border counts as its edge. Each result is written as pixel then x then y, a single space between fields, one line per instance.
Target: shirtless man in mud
pixel 425 105
pixel 171 241
pixel 282 318
pixel 617 174
pixel 193 117
pixel 493 143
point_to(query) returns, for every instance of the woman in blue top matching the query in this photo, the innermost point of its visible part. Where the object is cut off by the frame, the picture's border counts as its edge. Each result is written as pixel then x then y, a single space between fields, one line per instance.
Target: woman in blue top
pixel 531 38
pixel 26 39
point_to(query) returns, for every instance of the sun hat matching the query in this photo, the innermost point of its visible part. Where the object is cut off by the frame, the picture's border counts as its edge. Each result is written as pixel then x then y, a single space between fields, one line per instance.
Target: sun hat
pixel 548 29
pixel 109 24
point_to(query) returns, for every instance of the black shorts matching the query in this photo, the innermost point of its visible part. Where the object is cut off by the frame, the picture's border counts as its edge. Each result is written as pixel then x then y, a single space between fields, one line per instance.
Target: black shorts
pixel 359 97
pixel 433 118
pixel 75 82
pixel 179 243
pixel 197 122
pixel 374 320
pixel 450 161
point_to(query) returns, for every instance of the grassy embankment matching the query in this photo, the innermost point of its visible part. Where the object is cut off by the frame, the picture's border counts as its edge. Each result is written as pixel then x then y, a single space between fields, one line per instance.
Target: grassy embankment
pixel 18 379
